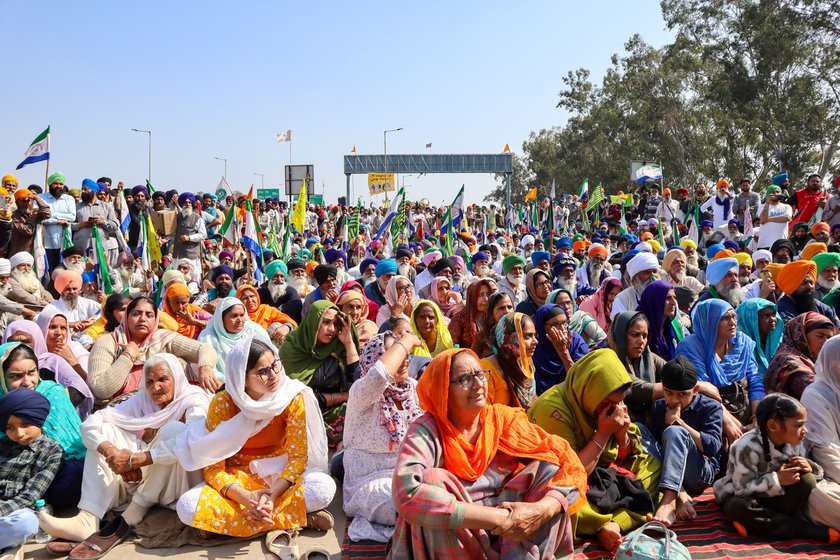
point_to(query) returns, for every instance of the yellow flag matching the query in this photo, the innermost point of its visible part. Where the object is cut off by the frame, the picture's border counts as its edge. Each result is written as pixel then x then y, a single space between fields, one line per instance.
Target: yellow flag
pixel 154 245
pixel 531 194
pixel 299 216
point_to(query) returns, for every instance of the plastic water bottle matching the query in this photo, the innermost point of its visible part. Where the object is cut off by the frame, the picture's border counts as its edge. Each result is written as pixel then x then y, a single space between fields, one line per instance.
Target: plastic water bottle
pixel 41 537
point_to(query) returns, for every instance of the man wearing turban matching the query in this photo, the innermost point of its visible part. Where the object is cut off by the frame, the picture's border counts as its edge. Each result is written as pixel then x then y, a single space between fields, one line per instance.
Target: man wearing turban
pixel 722 275
pixel 80 312
pixel 24 285
pixel 720 205
pixel 820 232
pixel 513 282
pixel 596 269
pixel 63 210
pixel 24 221
pixel 190 232
pixel 94 213
pixel 277 292
pixel 222 277
pixel 675 270
pixel 138 210
pixel 326 277
pixel 797 280
pixel 642 269
pixel 425 277
pixel 827 268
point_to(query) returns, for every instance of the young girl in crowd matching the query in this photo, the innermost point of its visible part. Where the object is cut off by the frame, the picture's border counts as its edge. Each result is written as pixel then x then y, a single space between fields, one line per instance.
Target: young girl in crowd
pixel 768 480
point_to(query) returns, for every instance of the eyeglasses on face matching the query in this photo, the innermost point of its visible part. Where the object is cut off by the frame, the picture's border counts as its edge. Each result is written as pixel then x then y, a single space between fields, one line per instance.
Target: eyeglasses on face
pixel 467 380
pixel 267 372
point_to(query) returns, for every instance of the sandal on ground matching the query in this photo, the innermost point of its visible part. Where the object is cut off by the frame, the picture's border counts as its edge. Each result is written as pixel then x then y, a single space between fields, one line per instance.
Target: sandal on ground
pixel 61 547
pixel 320 520
pixel 100 543
pixel 12 553
pixel 316 553
pixel 282 544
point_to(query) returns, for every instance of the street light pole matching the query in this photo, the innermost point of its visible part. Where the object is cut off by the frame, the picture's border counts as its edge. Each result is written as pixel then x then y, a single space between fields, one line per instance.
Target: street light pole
pixel 385 150
pixel 224 160
pixel 262 180
pixel 149 132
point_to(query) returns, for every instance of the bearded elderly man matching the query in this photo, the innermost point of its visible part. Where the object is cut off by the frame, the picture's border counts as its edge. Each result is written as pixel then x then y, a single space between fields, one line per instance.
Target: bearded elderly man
pixel 596 269
pixel 129 276
pixel 385 270
pixel 326 278
pixel 564 267
pixel 674 271
pixel 10 310
pixel 797 281
pixel 424 278
pixel 338 259
pixel 722 275
pixel 367 270
pixel 80 312
pixel 445 268
pixel 513 283
pixel 24 286
pixel 222 278
pixel 190 232
pixel 642 269
pixel 404 267
pixel 481 266
pixel 94 213
pixel 297 277
pixel 827 269
pixel 276 292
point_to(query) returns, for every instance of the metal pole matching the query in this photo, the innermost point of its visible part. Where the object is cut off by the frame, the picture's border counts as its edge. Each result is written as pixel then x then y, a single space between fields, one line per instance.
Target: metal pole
pixel 348 190
pixel 150 156
pixel 385 149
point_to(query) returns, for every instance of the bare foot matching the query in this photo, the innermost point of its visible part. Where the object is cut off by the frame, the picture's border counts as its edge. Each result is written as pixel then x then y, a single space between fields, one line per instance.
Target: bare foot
pixel 610 537
pixel 667 513
pixel 685 509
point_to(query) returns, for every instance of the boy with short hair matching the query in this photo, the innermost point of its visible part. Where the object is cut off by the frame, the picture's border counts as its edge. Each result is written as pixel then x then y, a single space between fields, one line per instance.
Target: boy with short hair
pixel 687 428
pixel 28 463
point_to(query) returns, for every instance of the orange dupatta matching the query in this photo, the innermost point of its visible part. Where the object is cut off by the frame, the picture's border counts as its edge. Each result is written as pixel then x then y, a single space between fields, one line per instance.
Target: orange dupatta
pixel 503 429
pixel 264 315
pixel 175 290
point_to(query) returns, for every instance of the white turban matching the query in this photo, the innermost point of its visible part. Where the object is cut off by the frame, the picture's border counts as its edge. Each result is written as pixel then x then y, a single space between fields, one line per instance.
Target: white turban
pixel 21 258
pixel 762 254
pixel 5 266
pixel 644 246
pixel 641 262
pixel 527 239
pixel 433 256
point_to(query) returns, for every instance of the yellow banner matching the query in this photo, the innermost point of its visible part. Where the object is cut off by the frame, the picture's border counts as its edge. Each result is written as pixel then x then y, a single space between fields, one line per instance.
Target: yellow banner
pixel 379 183
pixel 624 199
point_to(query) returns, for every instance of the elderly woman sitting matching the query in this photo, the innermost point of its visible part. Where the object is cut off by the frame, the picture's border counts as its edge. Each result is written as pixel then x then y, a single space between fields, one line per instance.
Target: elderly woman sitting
pixel 131 458
pixel 274 321
pixel 588 411
pixel 792 368
pixel 479 481
pixel 382 405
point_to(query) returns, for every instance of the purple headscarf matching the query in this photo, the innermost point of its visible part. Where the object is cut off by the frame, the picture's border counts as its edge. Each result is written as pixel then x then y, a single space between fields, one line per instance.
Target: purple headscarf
pixel 652 306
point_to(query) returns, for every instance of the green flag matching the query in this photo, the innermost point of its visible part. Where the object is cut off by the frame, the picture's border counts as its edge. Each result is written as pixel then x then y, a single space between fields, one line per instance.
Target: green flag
pixel 102 262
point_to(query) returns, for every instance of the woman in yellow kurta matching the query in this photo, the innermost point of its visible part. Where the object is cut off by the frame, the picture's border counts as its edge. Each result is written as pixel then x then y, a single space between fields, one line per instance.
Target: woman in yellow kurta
pixel 263 442
pixel 510 368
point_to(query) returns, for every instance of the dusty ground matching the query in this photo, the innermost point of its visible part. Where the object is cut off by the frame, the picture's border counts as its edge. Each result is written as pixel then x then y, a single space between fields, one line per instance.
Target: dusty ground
pixel 331 541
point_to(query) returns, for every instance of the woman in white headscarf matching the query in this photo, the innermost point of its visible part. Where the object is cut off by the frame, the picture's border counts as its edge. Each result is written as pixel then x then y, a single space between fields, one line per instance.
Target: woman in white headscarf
pixel 263 450
pixel 229 326
pixel 131 458
pixel 822 400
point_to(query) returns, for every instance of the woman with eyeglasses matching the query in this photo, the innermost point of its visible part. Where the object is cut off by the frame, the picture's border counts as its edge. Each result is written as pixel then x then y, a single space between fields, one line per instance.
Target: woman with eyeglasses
pixel 510 368
pixel 588 411
pixel 557 346
pixel 382 405
pixel 131 459
pixel 725 362
pixel 263 451
pixel 323 353
pixel 478 480
pixel 538 286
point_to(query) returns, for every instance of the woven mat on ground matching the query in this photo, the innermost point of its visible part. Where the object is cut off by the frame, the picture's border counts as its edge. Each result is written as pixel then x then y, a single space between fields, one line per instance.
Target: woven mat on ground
pixel 709 536
pixel 161 528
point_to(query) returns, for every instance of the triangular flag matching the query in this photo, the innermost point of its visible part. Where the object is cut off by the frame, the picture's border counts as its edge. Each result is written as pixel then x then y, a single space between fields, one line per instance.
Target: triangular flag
pixel 506 150
pixel 353 151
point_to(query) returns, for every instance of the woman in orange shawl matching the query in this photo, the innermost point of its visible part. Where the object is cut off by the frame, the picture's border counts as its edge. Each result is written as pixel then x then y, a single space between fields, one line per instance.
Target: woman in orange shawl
pixel 354 304
pixel 265 315
pixel 468 469
pixel 191 318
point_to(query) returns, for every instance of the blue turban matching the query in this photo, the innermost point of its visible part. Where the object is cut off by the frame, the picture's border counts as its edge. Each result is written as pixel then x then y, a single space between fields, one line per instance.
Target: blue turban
pixel 170 193
pixel 212 196
pixel 733 221
pixel 732 245
pixel 561 262
pixel 780 179
pixel 329 240
pixel 91 184
pixel 222 269
pixel 719 268
pixel 102 187
pixel 564 243
pixel 367 262
pixel 30 406
pixel 388 266
pixel 140 189
pixel 185 197
pixel 333 255
pixel 311 241
pixel 706 223
pixel 713 250
pixel 480 256
pixel 539 256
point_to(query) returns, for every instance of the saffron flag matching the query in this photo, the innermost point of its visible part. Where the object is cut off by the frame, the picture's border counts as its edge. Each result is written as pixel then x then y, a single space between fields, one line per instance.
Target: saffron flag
pixel 532 194
pixel 284 136
pixel 506 150
pixel 39 149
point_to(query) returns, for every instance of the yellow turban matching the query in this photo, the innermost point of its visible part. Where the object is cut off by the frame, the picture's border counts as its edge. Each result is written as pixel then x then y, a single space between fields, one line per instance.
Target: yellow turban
pixel 743 258
pixel 9 179
pixel 812 249
pixel 686 243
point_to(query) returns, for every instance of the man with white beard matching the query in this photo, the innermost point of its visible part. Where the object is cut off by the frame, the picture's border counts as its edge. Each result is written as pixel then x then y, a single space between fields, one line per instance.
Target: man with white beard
pixel 130 279
pixel 596 269
pixel 513 283
pixel 338 259
pixel 24 286
pixel 424 278
pixel 367 271
pixel 80 312
pixel 481 265
pixel 297 279
pixel 461 277
pixel 276 292
pixel 10 310
pixel 827 267
pixel 190 232
pixel 404 267
pixel 564 266
pixel 642 269
pixel 722 275
pixel 674 271
pixel 527 245
pixel 385 270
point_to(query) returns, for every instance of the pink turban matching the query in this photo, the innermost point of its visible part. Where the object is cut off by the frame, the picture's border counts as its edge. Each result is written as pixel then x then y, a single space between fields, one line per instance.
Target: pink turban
pixel 66 277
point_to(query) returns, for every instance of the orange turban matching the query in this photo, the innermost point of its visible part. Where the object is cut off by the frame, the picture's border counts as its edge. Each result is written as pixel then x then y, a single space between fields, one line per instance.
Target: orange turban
pixel 773 270
pixel 598 249
pixel 646 235
pixel 579 246
pixel 67 277
pixel 666 192
pixel 503 430
pixel 20 193
pixel 724 254
pixel 820 227
pixel 812 249
pixel 792 275
pixel 722 184
pixel 310 266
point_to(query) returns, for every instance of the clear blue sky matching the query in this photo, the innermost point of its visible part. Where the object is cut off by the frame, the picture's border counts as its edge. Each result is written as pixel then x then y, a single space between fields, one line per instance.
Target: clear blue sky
pixel 222 78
